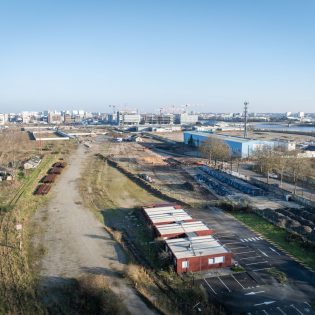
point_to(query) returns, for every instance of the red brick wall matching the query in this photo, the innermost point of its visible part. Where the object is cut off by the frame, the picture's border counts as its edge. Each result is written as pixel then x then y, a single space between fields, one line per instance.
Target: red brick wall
pixel 201 263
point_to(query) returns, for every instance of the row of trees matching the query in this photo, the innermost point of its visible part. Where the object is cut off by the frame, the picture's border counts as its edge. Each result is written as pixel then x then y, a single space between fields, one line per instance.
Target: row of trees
pixel 285 163
pixel 267 160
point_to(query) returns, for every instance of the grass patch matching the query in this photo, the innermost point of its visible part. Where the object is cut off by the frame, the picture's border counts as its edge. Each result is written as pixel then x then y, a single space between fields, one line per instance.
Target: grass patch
pixel 278 275
pixel 277 235
pixel 237 269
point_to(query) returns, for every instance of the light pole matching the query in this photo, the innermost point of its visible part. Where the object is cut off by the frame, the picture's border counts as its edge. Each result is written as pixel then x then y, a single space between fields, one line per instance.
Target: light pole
pixel 245 118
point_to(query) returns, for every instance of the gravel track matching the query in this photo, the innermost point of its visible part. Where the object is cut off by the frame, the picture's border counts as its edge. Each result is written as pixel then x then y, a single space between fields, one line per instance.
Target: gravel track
pixel 76 242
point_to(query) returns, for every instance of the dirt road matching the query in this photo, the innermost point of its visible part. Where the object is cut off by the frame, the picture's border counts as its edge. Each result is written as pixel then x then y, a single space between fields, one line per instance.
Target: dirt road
pixel 76 243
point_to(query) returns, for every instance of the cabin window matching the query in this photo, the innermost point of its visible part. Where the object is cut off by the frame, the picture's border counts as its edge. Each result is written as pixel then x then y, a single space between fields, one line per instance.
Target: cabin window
pixel 211 261
pixel 185 264
pixel 218 260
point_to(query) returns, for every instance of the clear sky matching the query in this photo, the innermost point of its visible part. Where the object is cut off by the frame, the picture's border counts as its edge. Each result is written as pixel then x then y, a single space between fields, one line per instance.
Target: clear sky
pixel 157 53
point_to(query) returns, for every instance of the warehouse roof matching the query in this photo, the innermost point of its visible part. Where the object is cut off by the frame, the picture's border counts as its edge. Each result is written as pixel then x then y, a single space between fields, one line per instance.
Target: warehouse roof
pixel 195 246
pixel 181 227
pixel 222 137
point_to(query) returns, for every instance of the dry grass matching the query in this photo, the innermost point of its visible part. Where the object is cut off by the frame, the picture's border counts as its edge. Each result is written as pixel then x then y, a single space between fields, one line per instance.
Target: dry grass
pixel 18 294
pixel 144 284
pixel 88 295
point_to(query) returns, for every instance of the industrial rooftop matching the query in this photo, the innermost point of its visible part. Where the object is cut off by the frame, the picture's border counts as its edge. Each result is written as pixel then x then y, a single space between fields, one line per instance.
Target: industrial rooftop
pixel 219 136
pixel 195 246
pixel 182 228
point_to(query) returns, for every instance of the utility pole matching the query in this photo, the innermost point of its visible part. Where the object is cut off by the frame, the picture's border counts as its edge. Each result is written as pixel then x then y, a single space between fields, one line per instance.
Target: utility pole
pixel 245 118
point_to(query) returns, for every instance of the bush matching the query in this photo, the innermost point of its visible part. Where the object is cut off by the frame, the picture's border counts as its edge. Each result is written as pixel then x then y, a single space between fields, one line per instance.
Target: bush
pixel 21 175
pixel 4 209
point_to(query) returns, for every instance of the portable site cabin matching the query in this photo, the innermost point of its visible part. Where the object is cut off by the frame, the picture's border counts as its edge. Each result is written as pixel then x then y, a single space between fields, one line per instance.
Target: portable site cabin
pixel 166 214
pixel 182 229
pixel 197 253
pixel 32 163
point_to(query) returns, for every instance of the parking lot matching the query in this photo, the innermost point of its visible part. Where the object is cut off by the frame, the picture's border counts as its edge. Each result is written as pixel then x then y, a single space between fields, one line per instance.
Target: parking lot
pixel 247 252
pixel 255 290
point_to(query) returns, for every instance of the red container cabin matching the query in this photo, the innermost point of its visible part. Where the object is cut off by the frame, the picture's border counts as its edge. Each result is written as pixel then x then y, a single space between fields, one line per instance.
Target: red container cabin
pixel 182 229
pixel 197 253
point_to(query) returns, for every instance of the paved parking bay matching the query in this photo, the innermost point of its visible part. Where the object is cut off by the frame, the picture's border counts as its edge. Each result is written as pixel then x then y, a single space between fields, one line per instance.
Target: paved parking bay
pixel 290 309
pixel 229 283
pixel 255 291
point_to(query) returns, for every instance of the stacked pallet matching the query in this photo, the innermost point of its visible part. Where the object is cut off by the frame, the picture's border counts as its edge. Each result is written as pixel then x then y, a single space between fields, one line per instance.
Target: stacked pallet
pixel 42 189
pixel 49 178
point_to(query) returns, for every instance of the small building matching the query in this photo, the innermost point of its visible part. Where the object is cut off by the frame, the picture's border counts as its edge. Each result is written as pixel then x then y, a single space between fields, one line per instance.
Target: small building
pixel 197 253
pixel 182 229
pixel 165 215
pixel 5 175
pixel 32 163
pixel 285 145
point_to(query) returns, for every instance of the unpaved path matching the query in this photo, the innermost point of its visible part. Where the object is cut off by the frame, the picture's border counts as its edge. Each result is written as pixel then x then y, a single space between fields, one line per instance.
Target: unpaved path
pixel 77 244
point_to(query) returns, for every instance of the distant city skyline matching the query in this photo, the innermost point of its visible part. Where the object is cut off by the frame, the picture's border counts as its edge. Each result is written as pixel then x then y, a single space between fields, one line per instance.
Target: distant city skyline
pixel 149 54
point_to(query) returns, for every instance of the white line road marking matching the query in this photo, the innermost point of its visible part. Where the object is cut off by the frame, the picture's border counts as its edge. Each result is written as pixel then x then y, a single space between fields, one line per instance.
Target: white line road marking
pixel 292 305
pixel 234 248
pixel 231 243
pixel 263 253
pixel 307 304
pixel 251 251
pixel 281 311
pixel 253 293
pixel 275 251
pixel 265 303
pixel 256 263
pixel 237 281
pixel 224 284
pixel 242 240
pixel 257 238
pixel 265 312
pixel 250 257
pixel 210 286
pixel 226 234
pixel 261 269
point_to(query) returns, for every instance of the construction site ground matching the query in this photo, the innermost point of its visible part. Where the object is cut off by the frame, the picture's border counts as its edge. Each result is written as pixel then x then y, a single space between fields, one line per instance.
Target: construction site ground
pixel 170 179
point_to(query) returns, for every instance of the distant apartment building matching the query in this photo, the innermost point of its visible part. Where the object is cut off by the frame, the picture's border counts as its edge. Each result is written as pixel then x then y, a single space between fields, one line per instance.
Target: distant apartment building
pixel 67 118
pixel 154 119
pixel 54 118
pixel 130 119
pixel 185 119
pixel 3 119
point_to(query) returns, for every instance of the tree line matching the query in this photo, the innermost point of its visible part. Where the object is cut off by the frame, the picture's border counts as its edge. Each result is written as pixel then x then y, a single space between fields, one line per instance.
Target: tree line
pixel 267 160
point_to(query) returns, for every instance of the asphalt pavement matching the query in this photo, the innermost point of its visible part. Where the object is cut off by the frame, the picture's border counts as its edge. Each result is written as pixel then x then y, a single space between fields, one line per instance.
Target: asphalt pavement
pixel 255 291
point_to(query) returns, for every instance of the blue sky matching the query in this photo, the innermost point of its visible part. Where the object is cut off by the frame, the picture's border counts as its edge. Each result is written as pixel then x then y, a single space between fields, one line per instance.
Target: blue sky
pixel 157 53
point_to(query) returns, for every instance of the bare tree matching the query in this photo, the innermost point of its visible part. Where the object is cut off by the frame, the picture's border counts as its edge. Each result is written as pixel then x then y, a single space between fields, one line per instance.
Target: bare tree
pixel 215 150
pixel 281 163
pixel 297 168
pixel 266 159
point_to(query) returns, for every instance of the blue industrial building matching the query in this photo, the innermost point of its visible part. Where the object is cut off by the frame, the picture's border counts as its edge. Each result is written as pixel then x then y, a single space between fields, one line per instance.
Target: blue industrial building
pixel 239 147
